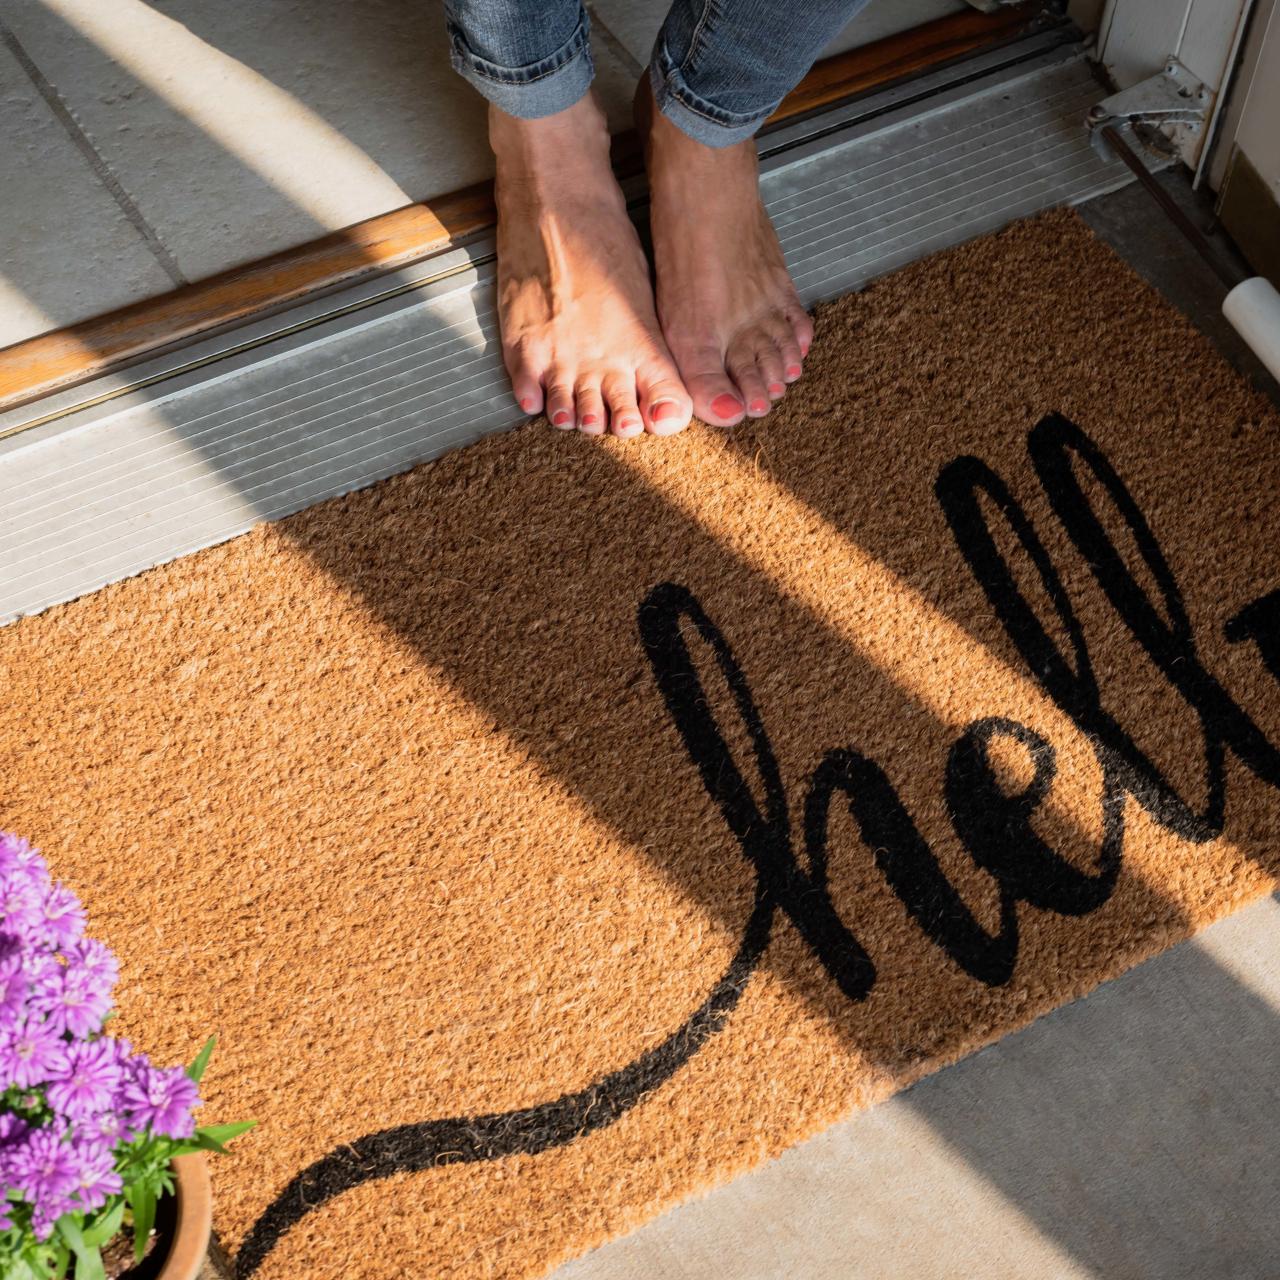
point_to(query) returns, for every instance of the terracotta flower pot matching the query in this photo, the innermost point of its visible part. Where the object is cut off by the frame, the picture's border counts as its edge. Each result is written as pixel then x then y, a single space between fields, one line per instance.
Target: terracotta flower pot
pixel 190 1240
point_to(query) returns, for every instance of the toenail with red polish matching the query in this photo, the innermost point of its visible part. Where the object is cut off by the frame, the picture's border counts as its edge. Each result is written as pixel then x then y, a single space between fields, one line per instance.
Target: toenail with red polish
pixel 588 419
pixel 758 406
pixel 560 417
pixel 776 388
pixel 793 371
pixel 527 404
pixel 725 406
pixel 665 411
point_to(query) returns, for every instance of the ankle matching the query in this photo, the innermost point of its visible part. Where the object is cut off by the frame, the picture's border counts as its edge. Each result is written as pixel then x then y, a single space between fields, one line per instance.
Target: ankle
pixel 548 150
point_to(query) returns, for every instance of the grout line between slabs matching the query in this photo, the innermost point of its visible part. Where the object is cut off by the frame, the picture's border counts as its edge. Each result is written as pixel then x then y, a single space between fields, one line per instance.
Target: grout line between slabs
pixel 54 101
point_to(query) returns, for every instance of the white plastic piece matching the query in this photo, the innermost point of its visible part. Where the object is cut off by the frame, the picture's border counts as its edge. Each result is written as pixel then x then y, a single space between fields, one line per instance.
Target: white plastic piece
pixel 1253 307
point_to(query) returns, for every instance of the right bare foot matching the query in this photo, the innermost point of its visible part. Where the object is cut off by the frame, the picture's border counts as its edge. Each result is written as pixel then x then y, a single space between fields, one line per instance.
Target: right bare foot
pixel 730 313
pixel 579 333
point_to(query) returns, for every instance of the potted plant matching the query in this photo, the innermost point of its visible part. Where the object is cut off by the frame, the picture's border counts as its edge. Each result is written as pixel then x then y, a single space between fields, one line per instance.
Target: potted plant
pixel 97 1145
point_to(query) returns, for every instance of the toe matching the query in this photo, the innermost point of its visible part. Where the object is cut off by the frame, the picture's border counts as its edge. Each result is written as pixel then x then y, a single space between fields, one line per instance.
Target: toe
pixel 783 333
pixel 591 410
pixel 526 386
pixel 624 412
pixel 715 398
pixel 561 411
pixel 741 363
pixel 769 364
pixel 779 336
pixel 802 327
pixel 792 359
pixel 666 404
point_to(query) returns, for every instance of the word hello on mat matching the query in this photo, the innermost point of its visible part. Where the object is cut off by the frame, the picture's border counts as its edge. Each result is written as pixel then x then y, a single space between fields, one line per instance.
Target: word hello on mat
pixel 994 825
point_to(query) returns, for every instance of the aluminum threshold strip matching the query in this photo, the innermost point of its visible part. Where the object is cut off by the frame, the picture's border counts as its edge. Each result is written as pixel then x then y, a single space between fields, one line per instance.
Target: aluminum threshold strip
pixel 195 446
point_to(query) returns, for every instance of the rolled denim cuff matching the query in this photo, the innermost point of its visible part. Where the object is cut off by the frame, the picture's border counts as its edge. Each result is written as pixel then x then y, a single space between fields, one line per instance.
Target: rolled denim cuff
pixel 539 89
pixel 701 120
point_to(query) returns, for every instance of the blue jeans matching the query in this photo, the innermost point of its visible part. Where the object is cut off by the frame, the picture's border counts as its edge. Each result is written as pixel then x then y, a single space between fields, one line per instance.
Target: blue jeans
pixel 719 68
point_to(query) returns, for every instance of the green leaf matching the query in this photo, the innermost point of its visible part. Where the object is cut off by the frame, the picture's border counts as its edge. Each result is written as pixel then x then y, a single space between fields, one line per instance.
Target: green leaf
pixel 89 1266
pixel 105 1225
pixel 88 1259
pixel 61 1260
pixel 212 1137
pixel 142 1200
pixel 196 1069
pixel 69 1230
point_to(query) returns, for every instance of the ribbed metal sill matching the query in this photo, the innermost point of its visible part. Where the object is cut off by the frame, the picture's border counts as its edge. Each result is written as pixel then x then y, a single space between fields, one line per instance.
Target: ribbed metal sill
pixel 196 446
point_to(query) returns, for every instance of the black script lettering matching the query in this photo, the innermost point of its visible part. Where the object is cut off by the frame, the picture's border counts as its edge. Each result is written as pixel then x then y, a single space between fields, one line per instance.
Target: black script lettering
pixel 1170 643
pixel 765 838
pixel 994 826
pixel 907 863
pixel 1259 621
pixel 1168 640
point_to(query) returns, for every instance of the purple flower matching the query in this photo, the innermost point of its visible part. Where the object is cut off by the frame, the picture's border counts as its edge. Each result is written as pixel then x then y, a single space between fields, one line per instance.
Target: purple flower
pixel 108 1128
pixel 15 983
pixel 93 958
pixel 88 1081
pixel 22 971
pixel 76 997
pixel 123 1051
pixel 161 1098
pixel 43 1169
pixel 13 1131
pixel 87 1094
pixel 17 857
pixel 20 914
pixel 96 1176
pixel 45 1216
pixel 62 916
pixel 30 1052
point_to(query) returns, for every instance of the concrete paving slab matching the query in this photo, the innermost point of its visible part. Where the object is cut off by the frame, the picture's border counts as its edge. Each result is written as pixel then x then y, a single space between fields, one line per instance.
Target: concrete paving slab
pixel 240 130
pixel 67 251
pixel 635 22
pixel 243 129
pixel 1130 1134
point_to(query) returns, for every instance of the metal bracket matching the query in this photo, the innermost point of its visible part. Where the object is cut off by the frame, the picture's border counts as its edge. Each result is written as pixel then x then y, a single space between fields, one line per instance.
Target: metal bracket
pixel 1173 103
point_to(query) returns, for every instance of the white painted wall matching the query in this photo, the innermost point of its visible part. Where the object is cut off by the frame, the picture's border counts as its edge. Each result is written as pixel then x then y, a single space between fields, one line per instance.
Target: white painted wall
pixel 1136 36
pixel 1258 133
pixel 1238 90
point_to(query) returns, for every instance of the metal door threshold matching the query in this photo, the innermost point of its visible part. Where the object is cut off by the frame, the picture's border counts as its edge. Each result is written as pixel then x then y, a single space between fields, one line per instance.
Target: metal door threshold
pixel 195 446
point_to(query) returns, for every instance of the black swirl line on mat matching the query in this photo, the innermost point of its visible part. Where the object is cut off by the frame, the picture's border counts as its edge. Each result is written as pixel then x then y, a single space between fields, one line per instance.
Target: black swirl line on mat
pixel 471 1139
pixel 1259 621
pixel 434 1144
pixel 994 826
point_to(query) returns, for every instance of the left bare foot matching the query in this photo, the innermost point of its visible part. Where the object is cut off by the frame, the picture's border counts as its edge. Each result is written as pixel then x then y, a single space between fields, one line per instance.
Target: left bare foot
pixel 728 310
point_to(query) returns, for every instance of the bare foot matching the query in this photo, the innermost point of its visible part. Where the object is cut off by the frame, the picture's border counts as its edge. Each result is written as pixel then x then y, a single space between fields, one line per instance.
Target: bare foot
pixel 729 311
pixel 579 333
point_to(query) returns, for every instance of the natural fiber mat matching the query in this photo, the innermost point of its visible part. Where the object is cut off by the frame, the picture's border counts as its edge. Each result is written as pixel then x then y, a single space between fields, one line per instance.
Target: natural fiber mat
pixel 566 826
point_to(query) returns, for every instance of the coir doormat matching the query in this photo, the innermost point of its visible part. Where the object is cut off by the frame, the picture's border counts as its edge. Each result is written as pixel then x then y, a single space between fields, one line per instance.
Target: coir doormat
pixel 566 826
